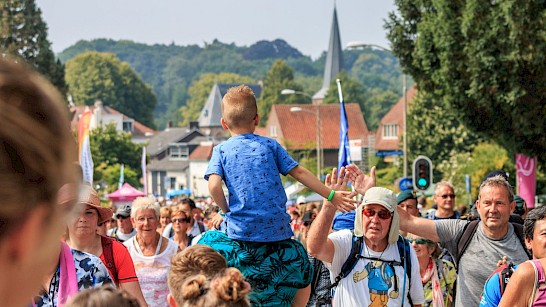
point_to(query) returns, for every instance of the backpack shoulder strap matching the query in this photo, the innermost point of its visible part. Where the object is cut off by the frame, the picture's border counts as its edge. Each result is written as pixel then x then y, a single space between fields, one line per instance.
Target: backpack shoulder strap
pixel 348 266
pixel 518 229
pixel 464 240
pixel 201 227
pixel 108 251
pixel 405 259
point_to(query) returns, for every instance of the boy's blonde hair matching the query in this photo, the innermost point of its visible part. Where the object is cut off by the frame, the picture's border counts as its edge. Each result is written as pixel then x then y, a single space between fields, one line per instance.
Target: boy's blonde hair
pixel 239 106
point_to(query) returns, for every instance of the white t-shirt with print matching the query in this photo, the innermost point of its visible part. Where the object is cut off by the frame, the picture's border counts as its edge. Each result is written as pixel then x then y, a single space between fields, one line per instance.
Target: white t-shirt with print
pixel 373 280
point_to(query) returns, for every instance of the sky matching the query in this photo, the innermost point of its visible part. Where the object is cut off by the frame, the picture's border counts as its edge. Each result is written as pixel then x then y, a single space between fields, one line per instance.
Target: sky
pixel 304 24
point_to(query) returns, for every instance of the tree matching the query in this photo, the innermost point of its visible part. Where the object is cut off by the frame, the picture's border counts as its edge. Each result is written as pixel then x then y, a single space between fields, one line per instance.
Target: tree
pixel 484 158
pixel 111 148
pixel 199 92
pixel 279 77
pixel 436 131
pixel 23 33
pixel 485 59
pixel 95 76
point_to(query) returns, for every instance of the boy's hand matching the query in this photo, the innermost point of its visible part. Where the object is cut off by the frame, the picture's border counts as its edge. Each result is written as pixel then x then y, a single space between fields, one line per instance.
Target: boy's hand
pixel 343 201
pixel 216 221
pixel 360 181
pixel 335 181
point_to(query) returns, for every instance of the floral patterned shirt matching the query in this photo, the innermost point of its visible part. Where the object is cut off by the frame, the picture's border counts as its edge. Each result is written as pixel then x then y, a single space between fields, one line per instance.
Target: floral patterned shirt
pixel 90 273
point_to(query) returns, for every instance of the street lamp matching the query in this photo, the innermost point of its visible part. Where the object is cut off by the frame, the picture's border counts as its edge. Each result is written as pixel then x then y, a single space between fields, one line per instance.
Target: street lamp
pixel 318 150
pixel 404 90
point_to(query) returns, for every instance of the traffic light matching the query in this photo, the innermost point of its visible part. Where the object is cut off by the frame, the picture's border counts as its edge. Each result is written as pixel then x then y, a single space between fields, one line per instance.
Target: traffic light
pixel 422 173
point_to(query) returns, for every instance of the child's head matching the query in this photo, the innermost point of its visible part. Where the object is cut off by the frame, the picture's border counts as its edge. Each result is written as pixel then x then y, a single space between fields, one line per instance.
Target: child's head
pixel 192 261
pixel 239 109
pixel 227 288
pixel 103 297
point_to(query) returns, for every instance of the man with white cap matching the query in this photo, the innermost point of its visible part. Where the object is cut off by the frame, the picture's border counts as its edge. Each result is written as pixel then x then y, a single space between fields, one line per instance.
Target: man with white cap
pixel 379 277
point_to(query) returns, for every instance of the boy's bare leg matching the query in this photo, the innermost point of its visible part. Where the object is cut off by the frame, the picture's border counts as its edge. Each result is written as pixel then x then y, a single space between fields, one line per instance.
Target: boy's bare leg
pixel 302 297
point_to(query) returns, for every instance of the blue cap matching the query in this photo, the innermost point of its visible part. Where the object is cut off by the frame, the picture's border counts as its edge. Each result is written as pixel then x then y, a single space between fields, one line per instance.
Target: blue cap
pixel 344 221
pixel 405 195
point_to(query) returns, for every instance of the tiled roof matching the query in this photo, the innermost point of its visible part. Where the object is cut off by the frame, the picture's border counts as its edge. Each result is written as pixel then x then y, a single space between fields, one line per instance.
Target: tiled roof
pixel 202 152
pixel 394 116
pixel 161 141
pixel 299 128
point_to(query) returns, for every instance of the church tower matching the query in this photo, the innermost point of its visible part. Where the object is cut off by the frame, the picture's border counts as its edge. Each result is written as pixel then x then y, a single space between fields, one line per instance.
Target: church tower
pixel 334 61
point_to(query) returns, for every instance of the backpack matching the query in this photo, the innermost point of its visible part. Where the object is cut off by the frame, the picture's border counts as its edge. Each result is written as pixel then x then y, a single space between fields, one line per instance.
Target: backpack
pixel 469 231
pixel 403 246
pixel 505 271
pixel 108 252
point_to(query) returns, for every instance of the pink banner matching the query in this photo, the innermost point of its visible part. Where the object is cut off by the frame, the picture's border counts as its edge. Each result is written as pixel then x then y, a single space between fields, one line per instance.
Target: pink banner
pixel 526 177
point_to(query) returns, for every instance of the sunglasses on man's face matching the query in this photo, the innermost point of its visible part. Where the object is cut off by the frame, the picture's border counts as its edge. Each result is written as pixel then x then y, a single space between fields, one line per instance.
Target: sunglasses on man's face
pixel 452 196
pixel 419 241
pixel 383 214
pixel 307 223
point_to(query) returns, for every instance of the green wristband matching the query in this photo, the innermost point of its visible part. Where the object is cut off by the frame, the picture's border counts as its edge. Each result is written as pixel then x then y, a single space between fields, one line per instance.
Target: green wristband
pixel 331 195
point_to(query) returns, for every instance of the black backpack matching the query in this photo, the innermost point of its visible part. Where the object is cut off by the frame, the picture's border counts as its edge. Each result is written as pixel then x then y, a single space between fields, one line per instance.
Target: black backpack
pixel 355 255
pixel 470 230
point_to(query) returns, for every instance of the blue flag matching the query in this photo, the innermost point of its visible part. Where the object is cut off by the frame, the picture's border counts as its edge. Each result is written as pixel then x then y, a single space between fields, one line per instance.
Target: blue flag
pixel 344 156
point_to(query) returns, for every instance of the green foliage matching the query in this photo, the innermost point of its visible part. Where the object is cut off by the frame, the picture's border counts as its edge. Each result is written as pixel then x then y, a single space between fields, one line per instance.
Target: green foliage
pixel 485 158
pixel 108 176
pixel 199 92
pixel 279 77
pixel 109 148
pixel 172 69
pixel 95 76
pixel 485 59
pixel 23 33
pixel 435 130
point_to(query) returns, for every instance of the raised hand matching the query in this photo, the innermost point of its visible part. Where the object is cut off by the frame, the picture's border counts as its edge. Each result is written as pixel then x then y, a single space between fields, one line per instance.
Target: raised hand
pixel 342 199
pixel 360 181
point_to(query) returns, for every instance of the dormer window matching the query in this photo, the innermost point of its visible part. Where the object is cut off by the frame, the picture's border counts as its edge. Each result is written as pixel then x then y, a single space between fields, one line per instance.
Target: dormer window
pixel 179 152
pixel 128 125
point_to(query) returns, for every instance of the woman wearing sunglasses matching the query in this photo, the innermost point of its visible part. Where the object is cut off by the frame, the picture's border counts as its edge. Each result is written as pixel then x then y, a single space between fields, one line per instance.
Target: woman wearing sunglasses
pixel 180 223
pixel 437 275
pixel 379 277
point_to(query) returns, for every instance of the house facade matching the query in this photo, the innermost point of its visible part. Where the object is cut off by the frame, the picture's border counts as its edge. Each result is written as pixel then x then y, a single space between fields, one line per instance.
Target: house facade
pixel 104 115
pixel 388 137
pixel 169 154
pixel 295 128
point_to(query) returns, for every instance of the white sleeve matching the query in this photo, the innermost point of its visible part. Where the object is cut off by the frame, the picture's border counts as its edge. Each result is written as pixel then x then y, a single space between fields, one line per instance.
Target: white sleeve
pixel 342 248
pixel 416 287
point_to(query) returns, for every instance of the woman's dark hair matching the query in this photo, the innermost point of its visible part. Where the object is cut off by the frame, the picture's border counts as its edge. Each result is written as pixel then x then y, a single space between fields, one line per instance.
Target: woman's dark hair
pixel 532 217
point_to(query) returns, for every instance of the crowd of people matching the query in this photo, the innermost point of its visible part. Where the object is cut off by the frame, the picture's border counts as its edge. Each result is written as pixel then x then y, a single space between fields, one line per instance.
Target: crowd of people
pixel 366 247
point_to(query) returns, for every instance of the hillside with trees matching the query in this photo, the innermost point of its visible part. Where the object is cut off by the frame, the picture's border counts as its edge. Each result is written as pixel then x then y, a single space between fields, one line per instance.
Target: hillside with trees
pixel 171 70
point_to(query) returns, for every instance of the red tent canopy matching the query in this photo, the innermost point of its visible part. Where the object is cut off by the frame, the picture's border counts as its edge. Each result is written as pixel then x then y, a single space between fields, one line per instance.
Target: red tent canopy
pixel 126 193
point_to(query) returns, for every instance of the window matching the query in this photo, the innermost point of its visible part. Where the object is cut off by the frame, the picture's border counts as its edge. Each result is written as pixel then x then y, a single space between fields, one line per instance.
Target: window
pixel 170 183
pixel 128 126
pixel 390 131
pixel 273 131
pixel 179 152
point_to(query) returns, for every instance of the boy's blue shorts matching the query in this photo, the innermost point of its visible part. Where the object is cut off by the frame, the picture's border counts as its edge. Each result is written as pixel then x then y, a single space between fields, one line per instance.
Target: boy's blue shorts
pixel 275 270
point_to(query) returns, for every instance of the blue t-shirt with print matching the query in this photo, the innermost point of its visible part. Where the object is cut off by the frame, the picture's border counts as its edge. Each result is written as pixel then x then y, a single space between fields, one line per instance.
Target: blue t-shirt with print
pixel 250 166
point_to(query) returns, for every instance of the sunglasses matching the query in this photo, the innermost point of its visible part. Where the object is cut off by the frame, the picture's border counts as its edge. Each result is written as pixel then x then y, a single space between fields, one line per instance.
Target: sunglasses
pixel 452 196
pixel 420 241
pixel 383 214
pixel 306 223
pixel 181 220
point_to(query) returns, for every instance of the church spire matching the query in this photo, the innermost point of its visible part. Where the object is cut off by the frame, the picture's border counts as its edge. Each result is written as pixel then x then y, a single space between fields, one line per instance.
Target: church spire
pixel 334 60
